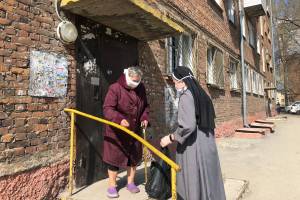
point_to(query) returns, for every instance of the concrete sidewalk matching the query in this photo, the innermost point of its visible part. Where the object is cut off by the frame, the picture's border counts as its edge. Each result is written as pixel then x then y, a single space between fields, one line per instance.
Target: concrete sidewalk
pixel 271 165
pixel 234 189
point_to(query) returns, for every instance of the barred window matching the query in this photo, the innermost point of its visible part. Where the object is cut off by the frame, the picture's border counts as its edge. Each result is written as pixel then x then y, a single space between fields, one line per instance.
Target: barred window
pixel 179 52
pixel 234 73
pixel 215 66
pixel 261 25
pixel 258 44
pixel 251 34
pixel 260 84
pixel 263 59
pixel 255 87
pixel 248 78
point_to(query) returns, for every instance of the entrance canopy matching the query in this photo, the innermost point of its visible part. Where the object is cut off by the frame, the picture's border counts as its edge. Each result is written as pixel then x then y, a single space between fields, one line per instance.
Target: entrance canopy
pixel 137 18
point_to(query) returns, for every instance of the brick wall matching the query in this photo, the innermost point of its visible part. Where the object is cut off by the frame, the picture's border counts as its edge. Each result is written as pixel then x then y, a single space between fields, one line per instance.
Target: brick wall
pixel 34 131
pixel 211 25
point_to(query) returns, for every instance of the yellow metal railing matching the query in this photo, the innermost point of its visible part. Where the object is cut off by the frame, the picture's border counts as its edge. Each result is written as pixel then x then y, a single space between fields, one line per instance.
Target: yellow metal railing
pixel 174 167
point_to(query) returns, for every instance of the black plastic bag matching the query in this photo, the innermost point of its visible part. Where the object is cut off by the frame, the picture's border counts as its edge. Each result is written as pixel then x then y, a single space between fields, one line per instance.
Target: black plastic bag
pixel 159 181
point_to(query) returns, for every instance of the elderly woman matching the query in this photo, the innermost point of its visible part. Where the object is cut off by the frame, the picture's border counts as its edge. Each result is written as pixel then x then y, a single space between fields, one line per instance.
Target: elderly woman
pixel 125 104
pixel 200 177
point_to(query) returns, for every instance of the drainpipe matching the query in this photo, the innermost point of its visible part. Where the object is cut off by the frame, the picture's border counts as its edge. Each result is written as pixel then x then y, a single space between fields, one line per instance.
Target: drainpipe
pixel 273 48
pixel 244 99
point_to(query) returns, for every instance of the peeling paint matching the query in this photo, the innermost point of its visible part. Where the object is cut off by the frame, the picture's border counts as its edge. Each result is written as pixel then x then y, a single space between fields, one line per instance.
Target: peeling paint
pixel 108 31
pixel 156 13
pixel 66 2
pixel 88 36
pixel 90 66
pixel 145 21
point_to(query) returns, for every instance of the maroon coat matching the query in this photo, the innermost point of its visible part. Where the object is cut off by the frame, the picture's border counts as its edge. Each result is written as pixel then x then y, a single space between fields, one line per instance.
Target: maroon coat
pixel 123 103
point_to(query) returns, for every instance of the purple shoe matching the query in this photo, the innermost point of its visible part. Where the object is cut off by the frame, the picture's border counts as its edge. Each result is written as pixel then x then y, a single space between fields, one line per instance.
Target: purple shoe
pixel 112 192
pixel 131 187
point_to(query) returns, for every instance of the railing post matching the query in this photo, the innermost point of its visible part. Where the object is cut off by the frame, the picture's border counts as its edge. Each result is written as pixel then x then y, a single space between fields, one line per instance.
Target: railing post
pixel 71 153
pixel 145 156
pixel 173 186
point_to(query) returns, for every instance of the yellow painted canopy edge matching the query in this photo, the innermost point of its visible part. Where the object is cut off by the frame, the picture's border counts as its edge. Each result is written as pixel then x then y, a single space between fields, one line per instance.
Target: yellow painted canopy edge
pixel 147 8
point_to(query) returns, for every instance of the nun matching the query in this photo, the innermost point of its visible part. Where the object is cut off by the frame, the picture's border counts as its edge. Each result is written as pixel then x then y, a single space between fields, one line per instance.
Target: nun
pixel 200 177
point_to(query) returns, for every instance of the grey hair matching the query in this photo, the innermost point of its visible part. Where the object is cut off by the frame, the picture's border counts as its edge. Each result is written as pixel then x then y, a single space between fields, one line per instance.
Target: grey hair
pixel 133 71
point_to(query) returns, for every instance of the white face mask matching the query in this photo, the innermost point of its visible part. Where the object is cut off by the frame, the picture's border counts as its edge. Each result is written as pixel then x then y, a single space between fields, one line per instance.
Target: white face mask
pixel 132 84
pixel 181 90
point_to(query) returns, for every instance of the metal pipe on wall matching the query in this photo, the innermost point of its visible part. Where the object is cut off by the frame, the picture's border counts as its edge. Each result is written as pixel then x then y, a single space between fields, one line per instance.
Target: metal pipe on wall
pixel 273 47
pixel 244 97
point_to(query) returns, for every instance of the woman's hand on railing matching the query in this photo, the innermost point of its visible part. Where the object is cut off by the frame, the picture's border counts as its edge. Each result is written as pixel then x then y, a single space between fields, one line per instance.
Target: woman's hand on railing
pixel 124 123
pixel 166 140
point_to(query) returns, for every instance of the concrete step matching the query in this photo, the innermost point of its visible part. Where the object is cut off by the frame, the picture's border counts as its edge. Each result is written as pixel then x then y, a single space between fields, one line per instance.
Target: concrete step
pixel 251 130
pixel 234 189
pixel 264 126
pixel 277 118
pixel 249 135
pixel 97 190
pixel 264 121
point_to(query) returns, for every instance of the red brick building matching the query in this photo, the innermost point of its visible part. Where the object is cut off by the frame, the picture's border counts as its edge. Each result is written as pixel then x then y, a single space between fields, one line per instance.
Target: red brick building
pixel 157 35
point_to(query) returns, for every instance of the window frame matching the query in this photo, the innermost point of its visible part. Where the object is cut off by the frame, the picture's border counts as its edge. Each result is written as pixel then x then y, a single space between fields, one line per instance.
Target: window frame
pixel 258 45
pixel 236 74
pixel 214 82
pixel 261 25
pixel 174 58
pixel 248 78
pixel 263 59
pixel 251 33
pixel 255 82
pixel 261 88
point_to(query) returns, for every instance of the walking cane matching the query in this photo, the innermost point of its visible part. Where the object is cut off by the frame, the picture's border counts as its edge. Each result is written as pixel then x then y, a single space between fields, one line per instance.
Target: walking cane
pixel 145 155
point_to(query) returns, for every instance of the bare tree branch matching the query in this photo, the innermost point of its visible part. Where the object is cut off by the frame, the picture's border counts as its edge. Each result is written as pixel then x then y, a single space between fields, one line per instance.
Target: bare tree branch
pixel 289 20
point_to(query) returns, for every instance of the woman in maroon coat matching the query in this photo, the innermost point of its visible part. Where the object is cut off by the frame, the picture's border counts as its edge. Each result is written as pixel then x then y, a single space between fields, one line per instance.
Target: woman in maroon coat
pixel 125 104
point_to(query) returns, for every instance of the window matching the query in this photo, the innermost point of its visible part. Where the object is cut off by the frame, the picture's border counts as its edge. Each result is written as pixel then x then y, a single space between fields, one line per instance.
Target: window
pixel 248 78
pixel 251 34
pixel 262 86
pixel 261 23
pixel 258 44
pixel 273 96
pixel 260 83
pixel 234 74
pixel 179 52
pixel 255 82
pixel 231 11
pixel 263 59
pixel 215 66
pixel 265 25
pixel 269 35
